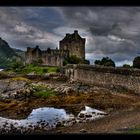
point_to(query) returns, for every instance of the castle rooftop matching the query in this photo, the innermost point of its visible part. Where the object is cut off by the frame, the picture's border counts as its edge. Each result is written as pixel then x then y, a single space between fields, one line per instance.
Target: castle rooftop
pixel 72 37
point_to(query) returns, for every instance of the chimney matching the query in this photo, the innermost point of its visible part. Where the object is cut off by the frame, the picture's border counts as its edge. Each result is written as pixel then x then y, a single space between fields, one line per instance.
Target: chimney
pixel 76 31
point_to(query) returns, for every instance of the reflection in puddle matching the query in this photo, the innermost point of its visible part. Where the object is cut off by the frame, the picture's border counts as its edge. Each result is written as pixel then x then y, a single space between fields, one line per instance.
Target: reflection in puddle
pixel 49 117
pixel 89 114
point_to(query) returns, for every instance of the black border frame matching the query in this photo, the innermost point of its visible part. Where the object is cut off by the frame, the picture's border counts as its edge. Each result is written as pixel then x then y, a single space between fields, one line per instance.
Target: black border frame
pixel 70 3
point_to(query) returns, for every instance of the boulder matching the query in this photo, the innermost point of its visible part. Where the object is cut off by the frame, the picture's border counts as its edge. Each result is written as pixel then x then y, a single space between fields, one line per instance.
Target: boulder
pixel 67 90
pixel 3 85
pixel 32 73
pixel 81 115
pixel 59 124
pixel 83 131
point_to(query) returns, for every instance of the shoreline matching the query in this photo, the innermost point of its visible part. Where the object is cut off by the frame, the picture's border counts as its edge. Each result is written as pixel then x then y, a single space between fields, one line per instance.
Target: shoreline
pixel 71 96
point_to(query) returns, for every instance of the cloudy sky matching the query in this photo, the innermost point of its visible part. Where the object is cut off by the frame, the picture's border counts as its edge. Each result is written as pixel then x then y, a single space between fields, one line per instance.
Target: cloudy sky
pixel 109 31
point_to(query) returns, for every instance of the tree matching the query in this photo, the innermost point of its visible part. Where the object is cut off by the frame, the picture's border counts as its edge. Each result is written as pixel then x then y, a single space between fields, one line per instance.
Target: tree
pixel 97 62
pixel 85 62
pixel 17 65
pixel 106 61
pixel 136 62
pixel 126 66
pixel 74 60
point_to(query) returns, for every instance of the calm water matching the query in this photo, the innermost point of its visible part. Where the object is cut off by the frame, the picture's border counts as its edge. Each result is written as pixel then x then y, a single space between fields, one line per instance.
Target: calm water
pixel 49 117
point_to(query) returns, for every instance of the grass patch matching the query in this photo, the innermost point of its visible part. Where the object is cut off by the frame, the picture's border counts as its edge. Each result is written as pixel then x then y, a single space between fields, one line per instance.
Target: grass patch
pixel 20 79
pixel 135 130
pixel 39 70
pixel 44 93
pixel 53 69
pixel 39 87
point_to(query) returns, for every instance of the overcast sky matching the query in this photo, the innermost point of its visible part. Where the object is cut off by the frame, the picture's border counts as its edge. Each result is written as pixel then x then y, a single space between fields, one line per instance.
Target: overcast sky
pixel 109 31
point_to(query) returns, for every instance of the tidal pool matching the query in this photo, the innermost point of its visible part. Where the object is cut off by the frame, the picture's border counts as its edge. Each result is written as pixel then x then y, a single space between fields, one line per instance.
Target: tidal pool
pixel 47 118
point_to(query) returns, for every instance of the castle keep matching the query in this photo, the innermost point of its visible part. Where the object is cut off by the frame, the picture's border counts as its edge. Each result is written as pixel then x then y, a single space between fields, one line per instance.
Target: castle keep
pixel 71 44
pixel 74 44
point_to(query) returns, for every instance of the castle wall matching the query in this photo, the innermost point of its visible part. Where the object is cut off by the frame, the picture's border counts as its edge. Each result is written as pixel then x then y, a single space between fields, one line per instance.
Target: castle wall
pixel 33 54
pixel 104 76
pixel 54 57
pixel 28 57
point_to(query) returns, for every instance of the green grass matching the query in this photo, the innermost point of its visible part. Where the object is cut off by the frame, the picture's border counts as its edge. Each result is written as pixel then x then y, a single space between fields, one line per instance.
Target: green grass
pixel 52 69
pixel 44 93
pixel 31 68
pixel 134 131
pixel 40 87
pixel 39 70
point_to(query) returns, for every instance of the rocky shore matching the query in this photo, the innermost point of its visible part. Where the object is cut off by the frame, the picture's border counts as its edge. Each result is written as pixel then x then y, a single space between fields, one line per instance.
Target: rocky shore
pixel 22 87
pixel 18 99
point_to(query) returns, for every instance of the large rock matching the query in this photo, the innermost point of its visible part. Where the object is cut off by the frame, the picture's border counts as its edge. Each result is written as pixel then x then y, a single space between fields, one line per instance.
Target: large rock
pixel 3 85
pixel 67 90
pixel 16 85
pixel 13 89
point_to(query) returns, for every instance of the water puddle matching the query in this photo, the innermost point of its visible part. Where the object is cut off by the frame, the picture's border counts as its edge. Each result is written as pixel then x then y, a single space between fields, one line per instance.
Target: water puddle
pixel 47 118
pixel 89 114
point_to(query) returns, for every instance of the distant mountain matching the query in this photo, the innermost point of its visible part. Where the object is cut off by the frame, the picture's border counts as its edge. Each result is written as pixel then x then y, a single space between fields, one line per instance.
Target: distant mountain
pixel 7 54
pixel 17 50
pixel 19 53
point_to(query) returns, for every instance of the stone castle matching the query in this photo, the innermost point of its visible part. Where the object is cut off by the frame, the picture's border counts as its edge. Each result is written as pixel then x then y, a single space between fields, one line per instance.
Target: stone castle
pixel 71 44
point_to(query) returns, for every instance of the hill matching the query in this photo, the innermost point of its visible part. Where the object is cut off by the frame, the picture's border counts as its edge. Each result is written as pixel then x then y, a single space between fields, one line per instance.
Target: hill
pixel 7 54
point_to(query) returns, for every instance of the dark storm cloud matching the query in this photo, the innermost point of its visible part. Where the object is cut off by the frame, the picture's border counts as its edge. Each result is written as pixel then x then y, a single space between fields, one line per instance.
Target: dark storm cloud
pixel 25 26
pixel 109 31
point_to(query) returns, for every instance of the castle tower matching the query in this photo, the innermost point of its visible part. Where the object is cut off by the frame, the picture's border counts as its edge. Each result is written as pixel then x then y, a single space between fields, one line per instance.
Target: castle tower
pixel 33 54
pixel 74 43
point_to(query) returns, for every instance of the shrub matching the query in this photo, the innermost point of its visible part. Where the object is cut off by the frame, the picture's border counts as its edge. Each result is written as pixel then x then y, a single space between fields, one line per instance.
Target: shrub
pixel 58 70
pixel 45 70
pixel 65 62
pixel 106 61
pixel 17 65
pixel 136 62
pixel 74 60
pixel 86 62
pixel 126 66
pixel 97 62
pixel 42 91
